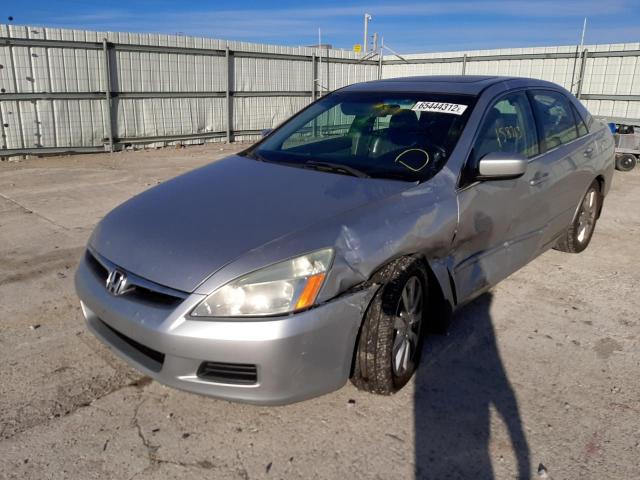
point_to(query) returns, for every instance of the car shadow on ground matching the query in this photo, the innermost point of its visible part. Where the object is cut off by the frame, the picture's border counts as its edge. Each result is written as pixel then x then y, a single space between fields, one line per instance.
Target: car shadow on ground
pixel 460 378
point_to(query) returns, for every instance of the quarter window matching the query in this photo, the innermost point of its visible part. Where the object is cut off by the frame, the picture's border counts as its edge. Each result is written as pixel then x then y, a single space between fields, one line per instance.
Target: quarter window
pixel 508 127
pixel 582 128
pixel 555 117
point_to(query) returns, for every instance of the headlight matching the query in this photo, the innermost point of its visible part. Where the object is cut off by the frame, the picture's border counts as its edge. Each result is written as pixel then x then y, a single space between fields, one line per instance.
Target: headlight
pixel 281 288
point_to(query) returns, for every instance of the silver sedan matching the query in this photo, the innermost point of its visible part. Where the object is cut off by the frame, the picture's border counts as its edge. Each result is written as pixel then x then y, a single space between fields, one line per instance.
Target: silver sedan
pixel 329 249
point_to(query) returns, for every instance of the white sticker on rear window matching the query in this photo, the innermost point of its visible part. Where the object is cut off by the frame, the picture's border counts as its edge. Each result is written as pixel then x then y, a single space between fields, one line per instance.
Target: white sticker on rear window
pixel 453 108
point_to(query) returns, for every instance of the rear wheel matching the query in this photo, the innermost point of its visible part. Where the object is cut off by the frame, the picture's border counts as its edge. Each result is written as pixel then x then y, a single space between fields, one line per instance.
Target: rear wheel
pixel 390 340
pixel 625 162
pixel 579 233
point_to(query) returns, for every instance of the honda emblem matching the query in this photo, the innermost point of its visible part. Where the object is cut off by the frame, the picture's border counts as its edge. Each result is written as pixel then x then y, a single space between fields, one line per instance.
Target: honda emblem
pixel 117 283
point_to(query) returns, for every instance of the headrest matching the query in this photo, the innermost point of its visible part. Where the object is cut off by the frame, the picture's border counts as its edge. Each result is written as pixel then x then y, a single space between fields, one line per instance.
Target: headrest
pixel 404 120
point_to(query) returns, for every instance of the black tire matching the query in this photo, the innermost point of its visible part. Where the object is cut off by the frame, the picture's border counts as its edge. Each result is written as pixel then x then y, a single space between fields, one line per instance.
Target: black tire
pixel 579 233
pixel 625 162
pixel 375 369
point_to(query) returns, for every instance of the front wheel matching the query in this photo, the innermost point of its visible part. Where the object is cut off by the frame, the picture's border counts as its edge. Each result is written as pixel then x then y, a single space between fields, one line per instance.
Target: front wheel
pixel 579 233
pixel 625 162
pixel 388 349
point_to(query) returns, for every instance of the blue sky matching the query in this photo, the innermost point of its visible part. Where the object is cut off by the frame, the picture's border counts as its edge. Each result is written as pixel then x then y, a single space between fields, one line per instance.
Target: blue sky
pixel 408 26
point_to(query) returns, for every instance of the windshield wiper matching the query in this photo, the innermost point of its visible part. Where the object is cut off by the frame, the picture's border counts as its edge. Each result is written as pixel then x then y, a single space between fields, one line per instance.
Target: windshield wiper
pixel 255 156
pixel 337 167
pixel 316 165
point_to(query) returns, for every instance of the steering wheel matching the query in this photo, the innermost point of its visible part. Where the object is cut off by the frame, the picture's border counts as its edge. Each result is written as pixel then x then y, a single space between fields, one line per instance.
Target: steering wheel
pixel 419 156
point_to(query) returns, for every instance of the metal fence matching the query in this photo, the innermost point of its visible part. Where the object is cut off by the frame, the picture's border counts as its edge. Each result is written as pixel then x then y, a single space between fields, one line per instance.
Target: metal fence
pixel 606 78
pixel 83 91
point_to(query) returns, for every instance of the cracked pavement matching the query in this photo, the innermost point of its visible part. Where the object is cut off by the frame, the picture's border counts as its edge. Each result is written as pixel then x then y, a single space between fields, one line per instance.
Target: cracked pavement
pixel 564 332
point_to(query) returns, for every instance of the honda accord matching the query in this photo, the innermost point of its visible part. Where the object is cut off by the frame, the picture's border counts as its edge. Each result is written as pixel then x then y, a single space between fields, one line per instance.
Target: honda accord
pixel 330 248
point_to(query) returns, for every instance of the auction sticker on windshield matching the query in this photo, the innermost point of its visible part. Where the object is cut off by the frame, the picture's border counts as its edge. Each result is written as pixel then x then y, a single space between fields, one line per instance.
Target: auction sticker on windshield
pixel 453 108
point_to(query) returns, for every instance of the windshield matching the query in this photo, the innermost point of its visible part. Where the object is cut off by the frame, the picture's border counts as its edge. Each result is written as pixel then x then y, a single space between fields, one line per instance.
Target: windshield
pixel 405 136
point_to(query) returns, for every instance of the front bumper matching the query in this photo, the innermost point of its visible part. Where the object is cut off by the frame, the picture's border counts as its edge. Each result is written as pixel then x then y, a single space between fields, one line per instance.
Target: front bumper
pixel 296 356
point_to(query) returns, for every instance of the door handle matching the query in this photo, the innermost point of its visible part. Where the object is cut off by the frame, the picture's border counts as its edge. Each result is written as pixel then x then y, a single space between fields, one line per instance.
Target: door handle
pixel 588 152
pixel 538 178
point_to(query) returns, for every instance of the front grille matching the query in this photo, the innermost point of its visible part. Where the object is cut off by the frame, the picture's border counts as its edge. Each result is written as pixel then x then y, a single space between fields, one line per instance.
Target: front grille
pixel 151 296
pixel 231 373
pixel 101 272
pixel 156 357
pixel 144 291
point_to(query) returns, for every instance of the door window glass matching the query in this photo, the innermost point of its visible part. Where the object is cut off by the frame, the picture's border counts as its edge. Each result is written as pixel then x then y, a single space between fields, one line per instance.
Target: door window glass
pixel 555 117
pixel 508 127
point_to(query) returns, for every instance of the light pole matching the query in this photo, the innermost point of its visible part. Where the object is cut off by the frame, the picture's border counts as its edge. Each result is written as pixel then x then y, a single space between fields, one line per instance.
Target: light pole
pixel 365 44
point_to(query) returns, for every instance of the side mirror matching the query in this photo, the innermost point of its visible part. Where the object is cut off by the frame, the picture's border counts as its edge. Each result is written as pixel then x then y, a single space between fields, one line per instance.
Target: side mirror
pixel 266 132
pixel 501 166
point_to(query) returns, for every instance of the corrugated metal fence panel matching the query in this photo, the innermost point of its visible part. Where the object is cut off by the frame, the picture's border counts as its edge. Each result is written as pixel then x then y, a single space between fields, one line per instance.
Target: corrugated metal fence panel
pixel 51 123
pixel 260 74
pixel 73 69
pixel 78 122
pixel 168 72
pixel 343 74
pixel 257 113
pixel 612 75
pixel 153 117
pixel 10 125
pixel 603 75
pixel 70 122
pixel 199 80
pixel 614 108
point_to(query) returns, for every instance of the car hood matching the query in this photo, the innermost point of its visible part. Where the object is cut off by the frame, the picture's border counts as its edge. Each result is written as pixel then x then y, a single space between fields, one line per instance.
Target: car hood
pixel 178 233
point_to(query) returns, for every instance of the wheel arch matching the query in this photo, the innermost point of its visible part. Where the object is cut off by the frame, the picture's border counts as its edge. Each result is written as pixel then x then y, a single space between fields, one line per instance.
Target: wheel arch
pixel 440 284
pixel 440 291
pixel 600 181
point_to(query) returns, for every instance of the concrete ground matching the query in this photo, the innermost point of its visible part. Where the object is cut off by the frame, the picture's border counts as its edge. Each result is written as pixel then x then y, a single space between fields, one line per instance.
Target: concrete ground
pixel 539 377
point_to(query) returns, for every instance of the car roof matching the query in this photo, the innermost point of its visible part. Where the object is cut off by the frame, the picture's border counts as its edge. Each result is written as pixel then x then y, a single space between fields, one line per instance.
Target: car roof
pixel 455 84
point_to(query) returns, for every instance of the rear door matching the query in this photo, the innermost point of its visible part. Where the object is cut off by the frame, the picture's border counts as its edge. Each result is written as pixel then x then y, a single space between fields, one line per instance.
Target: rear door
pixel 500 221
pixel 567 147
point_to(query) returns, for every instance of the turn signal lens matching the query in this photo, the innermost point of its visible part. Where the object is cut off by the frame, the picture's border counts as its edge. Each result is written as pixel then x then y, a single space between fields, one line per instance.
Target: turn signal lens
pixel 310 291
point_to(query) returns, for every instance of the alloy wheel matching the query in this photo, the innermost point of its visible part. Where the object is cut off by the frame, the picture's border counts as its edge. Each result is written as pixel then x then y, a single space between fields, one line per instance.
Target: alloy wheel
pixel 587 216
pixel 407 324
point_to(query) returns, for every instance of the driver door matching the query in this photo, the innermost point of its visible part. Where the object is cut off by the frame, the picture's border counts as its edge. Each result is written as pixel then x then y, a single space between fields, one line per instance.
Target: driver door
pixel 500 221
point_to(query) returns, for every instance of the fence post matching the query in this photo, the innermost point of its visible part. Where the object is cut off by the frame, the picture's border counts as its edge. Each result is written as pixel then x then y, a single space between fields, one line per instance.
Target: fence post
pixel 328 70
pixel 464 64
pixel 573 73
pixel 314 76
pixel 583 65
pixel 107 89
pixel 228 97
